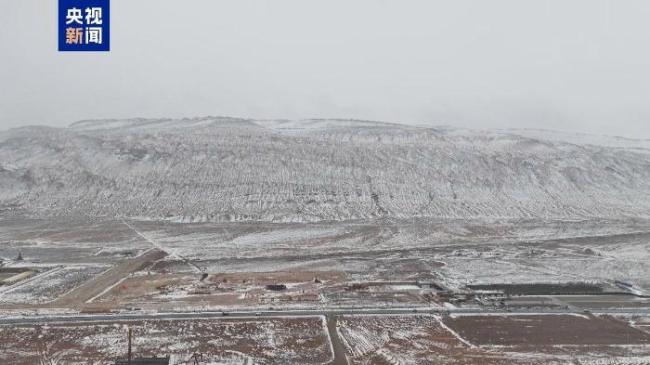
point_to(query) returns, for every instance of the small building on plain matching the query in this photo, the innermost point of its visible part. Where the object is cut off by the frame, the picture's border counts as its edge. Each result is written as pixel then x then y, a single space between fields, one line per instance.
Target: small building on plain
pixel 144 361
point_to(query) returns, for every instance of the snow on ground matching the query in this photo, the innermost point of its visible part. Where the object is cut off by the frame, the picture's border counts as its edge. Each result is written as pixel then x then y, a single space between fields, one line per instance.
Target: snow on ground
pixel 641 145
pixel 225 169
pixel 267 341
pixel 396 339
pixel 50 285
pixel 425 339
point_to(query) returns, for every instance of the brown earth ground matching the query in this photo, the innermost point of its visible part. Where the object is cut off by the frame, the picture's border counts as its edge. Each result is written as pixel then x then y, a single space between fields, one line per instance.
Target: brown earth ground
pixel 224 289
pixel 540 330
pixel 426 339
pixel 264 341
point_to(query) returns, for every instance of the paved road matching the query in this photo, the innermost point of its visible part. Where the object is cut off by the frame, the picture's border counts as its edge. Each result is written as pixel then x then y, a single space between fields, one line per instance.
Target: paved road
pixel 136 316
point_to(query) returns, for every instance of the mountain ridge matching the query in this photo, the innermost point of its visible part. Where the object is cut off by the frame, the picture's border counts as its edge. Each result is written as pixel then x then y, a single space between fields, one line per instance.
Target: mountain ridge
pixel 236 169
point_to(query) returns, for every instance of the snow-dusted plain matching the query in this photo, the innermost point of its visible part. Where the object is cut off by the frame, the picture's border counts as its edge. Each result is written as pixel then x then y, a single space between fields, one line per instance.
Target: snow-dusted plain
pixel 130 215
pixel 50 285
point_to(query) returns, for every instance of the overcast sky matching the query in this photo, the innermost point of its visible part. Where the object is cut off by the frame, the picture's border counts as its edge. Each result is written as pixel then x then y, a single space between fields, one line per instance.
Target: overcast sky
pixel 568 65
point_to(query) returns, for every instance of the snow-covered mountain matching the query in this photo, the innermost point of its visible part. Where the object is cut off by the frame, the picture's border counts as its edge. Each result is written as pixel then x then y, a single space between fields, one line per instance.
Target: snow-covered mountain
pixel 233 169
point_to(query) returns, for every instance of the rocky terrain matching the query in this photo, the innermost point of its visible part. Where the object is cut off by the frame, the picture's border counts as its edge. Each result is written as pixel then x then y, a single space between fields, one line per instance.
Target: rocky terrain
pixel 226 169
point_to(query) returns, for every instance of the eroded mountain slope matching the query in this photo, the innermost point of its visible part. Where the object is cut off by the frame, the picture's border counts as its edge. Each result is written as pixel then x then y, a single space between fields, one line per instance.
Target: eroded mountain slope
pixel 223 169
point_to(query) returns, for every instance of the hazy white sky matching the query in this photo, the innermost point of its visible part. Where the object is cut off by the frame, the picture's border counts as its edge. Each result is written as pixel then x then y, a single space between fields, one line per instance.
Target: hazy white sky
pixel 573 65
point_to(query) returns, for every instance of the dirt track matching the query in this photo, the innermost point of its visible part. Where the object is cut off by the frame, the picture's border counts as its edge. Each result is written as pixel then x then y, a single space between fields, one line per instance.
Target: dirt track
pixel 90 289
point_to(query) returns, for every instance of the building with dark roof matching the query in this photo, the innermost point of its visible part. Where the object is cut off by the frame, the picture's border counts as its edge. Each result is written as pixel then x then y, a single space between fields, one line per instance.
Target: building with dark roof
pixel 144 361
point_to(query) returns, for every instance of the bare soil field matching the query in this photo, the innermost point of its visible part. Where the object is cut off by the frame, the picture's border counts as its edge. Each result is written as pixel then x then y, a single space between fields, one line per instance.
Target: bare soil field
pixel 606 301
pixel 397 339
pixel 425 339
pixel 263 341
pixel 542 330
pixel 640 322
pixel 541 288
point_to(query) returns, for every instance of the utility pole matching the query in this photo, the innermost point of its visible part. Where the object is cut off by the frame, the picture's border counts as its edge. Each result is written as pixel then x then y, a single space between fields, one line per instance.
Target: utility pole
pixel 197 357
pixel 129 355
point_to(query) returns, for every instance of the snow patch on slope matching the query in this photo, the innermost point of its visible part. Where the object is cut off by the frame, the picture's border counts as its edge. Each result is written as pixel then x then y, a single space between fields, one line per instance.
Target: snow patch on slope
pixel 228 169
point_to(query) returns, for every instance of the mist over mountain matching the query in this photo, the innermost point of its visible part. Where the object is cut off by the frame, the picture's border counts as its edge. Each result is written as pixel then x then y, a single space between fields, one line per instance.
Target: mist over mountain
pixel 227 169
